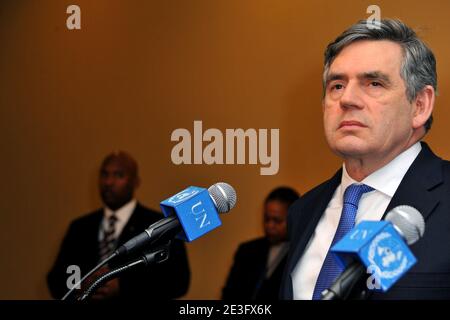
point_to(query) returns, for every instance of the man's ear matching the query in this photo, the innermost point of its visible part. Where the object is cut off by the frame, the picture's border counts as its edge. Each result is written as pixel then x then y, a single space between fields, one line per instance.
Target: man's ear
pixel 137 182
pixel 423 106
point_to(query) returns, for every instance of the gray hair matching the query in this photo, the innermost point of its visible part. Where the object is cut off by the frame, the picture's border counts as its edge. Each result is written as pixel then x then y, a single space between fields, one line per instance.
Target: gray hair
pixel 418 67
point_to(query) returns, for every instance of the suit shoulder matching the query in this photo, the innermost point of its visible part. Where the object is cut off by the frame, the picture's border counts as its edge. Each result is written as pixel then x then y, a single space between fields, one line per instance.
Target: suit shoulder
pixel 254 243
pixel 446 165
pixel 147 213
pixel 252 249
pixel 446 172
pixel 309 196
pixel 88 218
pixel 145 210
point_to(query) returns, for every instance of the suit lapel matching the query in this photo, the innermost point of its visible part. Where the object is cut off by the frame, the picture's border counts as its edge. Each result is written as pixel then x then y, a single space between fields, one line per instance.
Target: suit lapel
pixel 129 230
pixel 310 216
pixel 92 235
pixel 418 187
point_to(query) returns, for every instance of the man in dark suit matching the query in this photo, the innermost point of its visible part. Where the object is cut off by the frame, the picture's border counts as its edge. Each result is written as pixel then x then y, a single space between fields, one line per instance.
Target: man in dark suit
pixel 93 237
pixel 259 263
pixel 379 92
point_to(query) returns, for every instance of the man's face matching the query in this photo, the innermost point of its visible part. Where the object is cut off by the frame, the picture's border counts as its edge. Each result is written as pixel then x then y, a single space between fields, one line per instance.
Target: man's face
pixel 117 182
pixel 275 213
pixel 366 111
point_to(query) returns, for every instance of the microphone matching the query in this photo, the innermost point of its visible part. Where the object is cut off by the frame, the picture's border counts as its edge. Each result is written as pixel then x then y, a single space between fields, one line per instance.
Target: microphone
pixel 379 247
pixel 190 214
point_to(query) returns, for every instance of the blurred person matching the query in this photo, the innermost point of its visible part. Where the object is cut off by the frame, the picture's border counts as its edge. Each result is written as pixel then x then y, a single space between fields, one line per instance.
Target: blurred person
pixel 96 235
pixel 259 263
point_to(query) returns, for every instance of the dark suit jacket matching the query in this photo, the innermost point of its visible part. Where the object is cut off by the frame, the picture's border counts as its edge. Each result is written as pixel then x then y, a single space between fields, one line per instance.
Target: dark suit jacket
pixel 426 186
pixel 167 280
pixel 246 278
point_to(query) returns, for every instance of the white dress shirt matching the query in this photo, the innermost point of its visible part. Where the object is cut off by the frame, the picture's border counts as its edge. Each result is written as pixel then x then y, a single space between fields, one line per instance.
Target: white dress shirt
pixel 372 206
pixel 123 214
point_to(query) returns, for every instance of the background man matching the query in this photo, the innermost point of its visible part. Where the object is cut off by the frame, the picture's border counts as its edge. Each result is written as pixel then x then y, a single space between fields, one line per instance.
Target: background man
pixel 93 237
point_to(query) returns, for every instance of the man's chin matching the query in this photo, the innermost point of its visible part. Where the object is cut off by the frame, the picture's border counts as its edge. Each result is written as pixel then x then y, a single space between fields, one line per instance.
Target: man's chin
pixel 111 204
pixel 349 147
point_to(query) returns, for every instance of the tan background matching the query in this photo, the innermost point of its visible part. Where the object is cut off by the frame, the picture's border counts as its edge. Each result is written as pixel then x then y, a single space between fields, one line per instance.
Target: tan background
pixel 136 71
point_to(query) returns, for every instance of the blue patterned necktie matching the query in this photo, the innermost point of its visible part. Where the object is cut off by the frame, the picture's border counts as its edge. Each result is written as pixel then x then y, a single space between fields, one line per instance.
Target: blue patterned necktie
pixel 331 269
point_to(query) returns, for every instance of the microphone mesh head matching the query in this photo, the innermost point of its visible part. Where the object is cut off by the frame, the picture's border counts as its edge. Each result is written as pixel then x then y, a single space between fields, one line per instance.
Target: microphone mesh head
pixel 409 221
pixel 223 195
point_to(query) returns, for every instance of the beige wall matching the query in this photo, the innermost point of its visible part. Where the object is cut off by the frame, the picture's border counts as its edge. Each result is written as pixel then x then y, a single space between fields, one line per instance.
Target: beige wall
pixel 136 71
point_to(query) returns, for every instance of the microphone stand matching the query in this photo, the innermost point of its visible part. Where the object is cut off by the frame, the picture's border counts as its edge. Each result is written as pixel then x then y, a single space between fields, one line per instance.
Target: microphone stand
pixel 158 255
pixel 343 286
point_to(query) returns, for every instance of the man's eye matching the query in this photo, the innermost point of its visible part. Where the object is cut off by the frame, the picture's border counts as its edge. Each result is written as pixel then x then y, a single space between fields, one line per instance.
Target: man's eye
pixel 337 87
pixel 376 84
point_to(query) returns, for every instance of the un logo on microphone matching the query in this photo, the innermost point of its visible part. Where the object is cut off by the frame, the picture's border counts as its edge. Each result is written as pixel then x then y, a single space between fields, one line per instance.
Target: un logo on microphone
pixel 195 210
pixel 183 195
pixel 388 260
pixel 378 246
pixel 387 254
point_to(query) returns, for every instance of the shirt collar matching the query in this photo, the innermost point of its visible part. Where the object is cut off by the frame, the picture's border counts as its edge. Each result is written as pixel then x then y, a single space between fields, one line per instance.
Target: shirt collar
pixel 123 213
pixel 388 178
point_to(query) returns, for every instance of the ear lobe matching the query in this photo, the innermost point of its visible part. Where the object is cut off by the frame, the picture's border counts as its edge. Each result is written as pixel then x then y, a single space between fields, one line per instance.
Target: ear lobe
pixel 423 106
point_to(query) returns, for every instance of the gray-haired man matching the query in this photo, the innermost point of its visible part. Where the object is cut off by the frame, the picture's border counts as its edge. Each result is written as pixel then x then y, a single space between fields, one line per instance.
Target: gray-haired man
pixel 379 93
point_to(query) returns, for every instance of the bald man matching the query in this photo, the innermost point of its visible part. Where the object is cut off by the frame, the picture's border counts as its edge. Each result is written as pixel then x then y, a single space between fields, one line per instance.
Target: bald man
pixel 94 236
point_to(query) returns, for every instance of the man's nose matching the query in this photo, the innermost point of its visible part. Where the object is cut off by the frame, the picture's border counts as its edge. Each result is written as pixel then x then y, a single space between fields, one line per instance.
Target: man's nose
pixel 351 96
pixel 271 224
pixel 108 180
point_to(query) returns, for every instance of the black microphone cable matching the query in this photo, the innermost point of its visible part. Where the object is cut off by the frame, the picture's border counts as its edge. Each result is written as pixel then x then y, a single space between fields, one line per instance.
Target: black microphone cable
pixel 101 264
pixel 156 256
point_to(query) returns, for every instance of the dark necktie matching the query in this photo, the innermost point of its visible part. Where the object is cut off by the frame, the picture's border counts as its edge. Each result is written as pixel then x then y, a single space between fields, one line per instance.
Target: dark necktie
pixel 108 242
pixel 330 268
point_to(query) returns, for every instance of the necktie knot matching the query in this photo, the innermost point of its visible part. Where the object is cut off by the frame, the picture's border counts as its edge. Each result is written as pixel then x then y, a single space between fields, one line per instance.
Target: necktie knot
pixel 354 192
pixel 352 195
pixel 112 219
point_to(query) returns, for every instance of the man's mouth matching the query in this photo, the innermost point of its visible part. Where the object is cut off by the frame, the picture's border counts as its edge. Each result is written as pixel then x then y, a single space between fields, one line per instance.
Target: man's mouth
pixel 107 193
pixel 350 124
